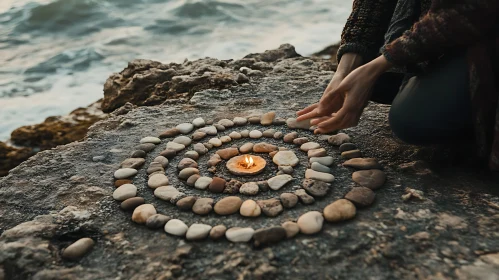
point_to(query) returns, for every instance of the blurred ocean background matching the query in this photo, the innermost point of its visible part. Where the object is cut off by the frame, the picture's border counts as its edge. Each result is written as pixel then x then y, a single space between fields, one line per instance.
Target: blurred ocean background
pixel 56 54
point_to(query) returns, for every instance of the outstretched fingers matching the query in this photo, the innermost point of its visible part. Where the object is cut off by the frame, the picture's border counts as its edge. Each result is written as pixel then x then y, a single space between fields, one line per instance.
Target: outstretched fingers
pixel 307 109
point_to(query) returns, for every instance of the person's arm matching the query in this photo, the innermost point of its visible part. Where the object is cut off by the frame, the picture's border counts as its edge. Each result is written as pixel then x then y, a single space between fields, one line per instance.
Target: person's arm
pixel 365 28
pixel 460 23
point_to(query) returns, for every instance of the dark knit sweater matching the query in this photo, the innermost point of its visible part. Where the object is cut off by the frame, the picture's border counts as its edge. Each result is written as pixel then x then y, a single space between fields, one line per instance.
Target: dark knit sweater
pixel 444 26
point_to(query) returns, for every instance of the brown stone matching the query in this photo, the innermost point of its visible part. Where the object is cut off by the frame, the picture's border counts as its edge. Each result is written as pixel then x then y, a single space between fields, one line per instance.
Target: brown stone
pixel 132 203
pixel 134 163
pixel 187 162
pixel 254 119
pixel 288 138
pixel 271 235
pixel 203 206
pixel 305 198
pixel 317 153
pixel 228 205
pixel 339 210
pixel 218 232
pixel 246 148
pixel 228 153
pixel 264 148
pixel 120 182
pixel 198 135
pixel 338 139
pixel 157 221
pixel 272 154
pixel 233 186
pixel 291 228
pixel 146 147
pixel 270 207
pixel 214 160
pixel 142 213
pixel 315 187
pixel 267 118
pixel 192 180
pixel 138 154
pixel 363 163
pixel 300 141
pixel 372 179
pixel 217 185
pixel 170 133
pixel 168 153
pixel 351 154
pixel 361 196
pixel 288 200
pixel 186 203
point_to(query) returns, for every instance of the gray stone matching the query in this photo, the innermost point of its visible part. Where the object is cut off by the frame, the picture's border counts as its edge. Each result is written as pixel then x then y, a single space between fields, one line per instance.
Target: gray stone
pixel 150 139
pixel 327 161
pixel 192 155
pixel 198 232
pixel 157 181
pixel 176 227
pixel 347 147
pixel 186 163
pixel 286 158
pixel 203 182
pixel 320 168
pixel 134 163
pixel 277 182
pixel 198 122
pixel 185 173
pixel 175 146
pixel 288 200
pixel 304 197
pixel 238 235
pixel 250 188
pixel 184 140
pixel 124 173
pixel 162 160
pixel 315 188
pixel 157 221
pixel 325 177
pixel 185 128
pixel 310 222
pixel 226 123
pixel 200 148
pixel 255 134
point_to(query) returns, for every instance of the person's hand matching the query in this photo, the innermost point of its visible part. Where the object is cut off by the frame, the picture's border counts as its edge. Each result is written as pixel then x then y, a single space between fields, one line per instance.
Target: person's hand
pixel 355 90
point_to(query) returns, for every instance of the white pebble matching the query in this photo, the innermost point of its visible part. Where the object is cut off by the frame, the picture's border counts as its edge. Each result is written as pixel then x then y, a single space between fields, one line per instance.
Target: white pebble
pixel 176 227
pixel 310 222
pixel 157 180
pixel 309 146
pixel 255 134
pixel 150 139
pixel 237 235
pixel 125 192
pixel 277 182
pixel 215 142
pixel 124 173
pixel 202 183
pixel 185 128
pixel 240 121
pixel 198 122
pixel 225 139
pixel 175 146
pixel 184 140
pixel 198 232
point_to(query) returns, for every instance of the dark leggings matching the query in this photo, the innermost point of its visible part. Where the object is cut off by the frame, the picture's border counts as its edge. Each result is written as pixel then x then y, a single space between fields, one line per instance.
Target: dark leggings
pixel 432 108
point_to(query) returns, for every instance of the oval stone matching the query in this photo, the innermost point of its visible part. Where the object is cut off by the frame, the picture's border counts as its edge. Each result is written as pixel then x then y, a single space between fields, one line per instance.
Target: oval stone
pixel 150 139
pixel 198 232
pixel 310 222
pixel 124 192
pixel 238 235
pixel 291 228
pixel 185 128
pixel 361 196
pixel 255 134
pixel 125 173
pixel 203 206
pixel 132 203
pixel 176 227
pixel 157 180
pixel 157 221
pixel 142 213
pixel 372 179
pixel 78 249
pixel 339 210
pixel 218 232
pixel 228 205
pixel 250 208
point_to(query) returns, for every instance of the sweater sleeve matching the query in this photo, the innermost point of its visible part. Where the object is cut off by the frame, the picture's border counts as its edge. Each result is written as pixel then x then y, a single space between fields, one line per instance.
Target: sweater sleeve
pixel 448 25
pixel 365 28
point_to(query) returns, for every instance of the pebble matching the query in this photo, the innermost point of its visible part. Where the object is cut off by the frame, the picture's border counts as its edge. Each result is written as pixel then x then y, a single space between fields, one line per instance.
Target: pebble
pixel 263 185
pixel 198 232
pixel 327 161
pixel 226 123
pixel 228 153
pixel 203 206
pixel 271 235
pixel 192 180
pixel 155 169
pixel 362 163
pixel 146 147
pixel 277 135
pixel 175 146
pixel 338 139
pixel 228 205
pixel 250 208
pixel 176 227
pixel 186 163
pixel 150 139
pixel 124 192
pixel 215 142
pixel 192 155
pixel 286 169
pixel 208 145
pixel 217 185
pixel 138 154
pixel 291 228
pixel 186 203
pixel 361 196
pixel 240 121
pixel 255 134
pixel 217 232
pixel 142 213
pixel 157 221
pixel 198 135
pixel 320 168
pixel 225 139
pixel 300 141
pixel 264 148
pixel 167 193
pixel 184 140
pixel 340 210
pixel 325 177
pixel 286 158
pixel 235 135
pixel 246 148
pixel 254 119
pixel 168 153
pixel 279 121
pixel 277 182
pixel 124 173
pixel 309 146
pixel 200 148
pixel 185 173
pixel 288 200
pixel 233 186
pixel 120 182
pixel 347 147
pixel 239 235
pixel 250 188
pixel 198 122
pixel 157 180
pixel 78 249
pixel 269 133
pixel 134 163
pixel 210 130
pixel 267 118
pixel 270 207
pixel 288 138
pixel 219 127
pixel 245 133
pixel 162 160
pixel 304 197
pixel 317 153
pixel 185 128
pixel 351 154
pixel 315 187
pixel 170 133
pixel 310 222
pixel 214 160
pixel 292 123
pixel 132 203
pixel 202 183
pixel 372 179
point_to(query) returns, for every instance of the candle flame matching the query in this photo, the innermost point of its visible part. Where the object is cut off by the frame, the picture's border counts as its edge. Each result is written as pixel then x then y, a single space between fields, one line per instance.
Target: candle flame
pixel 249 161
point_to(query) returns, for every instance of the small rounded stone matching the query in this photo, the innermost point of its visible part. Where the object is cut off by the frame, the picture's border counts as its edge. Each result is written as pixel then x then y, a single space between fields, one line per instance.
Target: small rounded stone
pixel 372 179
pixel 146 147
pixel 254 119
pixel 185 128
pixel 320 168
pixel 271 235
pixel 351 154
pixel 361 196
pixel 228 153
pixel 286 158
pixel 264 147
pixel 185 173
pixel 269 133
pixel 78 249
pixel 228 205
pixel 219 127
pixel 191 181
pixel 157 180
pixel 218 232
pixel 288 200
pixel 184 140
pixel 245 133
pixel 142 213
pixel 327 161
pixel 200 148
pixel 288 138
pixel 138 154
pixel 250 188
pixel 132 203
pixel 278 135
pixel 338 139
pixel 163 160
pixel 235 135
pixel 198 122
pixel 255 134
pixel 339 210
pixel 217 185
pixel 250 208
pixel 150 139
pixel 192 155
pixel 315 187
pixel 124 192
pixel 347 147
pixel 215 142
pixel 198 232
pixel 240 121
pixel 203 206
pixel 157 221
pixel 226 123
pixel 310 222
pixel 225 139
pixel 168 153
pixel 270 207
pixel 246 148
pixel 317 153
pixel 175 146
pixel 291 228
pixel 134 163
pixel 186 203
pixel 170 133
pixel 186 163
pixel 121 182
pixel 176 227
pixel 239 235
pixel 304 197
pixel 309 146
pixel 278 181
pixel 267 118
pixel 300 141
pixel 198 135
pixel 203 182
pixel 125 173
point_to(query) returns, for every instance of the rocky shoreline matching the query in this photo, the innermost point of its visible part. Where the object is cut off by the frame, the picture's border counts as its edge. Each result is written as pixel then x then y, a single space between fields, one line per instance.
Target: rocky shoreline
pixel 427 222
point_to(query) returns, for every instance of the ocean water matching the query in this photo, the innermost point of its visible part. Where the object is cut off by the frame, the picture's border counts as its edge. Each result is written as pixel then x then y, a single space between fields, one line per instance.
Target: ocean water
pixel 56 54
